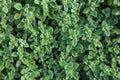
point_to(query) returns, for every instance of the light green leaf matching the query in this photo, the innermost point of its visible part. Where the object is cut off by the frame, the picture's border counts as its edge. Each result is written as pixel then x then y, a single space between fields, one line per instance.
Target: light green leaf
pixel 1 66
pixel 45 11
pixel 22 78
pixel 116 49
pixel 53 4
pixel 17 16
pixel 36 1
pixel 18 63
pixel 86 10
pixel 106 28
pixel 94 13
pixel 98 44
pixel 110 2
pixel 91 47
pixel 74 42
pixel 68 48
pixel 5 9
pixel 116 12
pixel 48 77
pixel 107 12
pixel 18 6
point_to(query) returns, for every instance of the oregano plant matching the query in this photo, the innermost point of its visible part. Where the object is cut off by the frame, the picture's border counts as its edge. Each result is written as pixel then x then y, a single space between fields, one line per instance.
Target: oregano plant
pixel 59 39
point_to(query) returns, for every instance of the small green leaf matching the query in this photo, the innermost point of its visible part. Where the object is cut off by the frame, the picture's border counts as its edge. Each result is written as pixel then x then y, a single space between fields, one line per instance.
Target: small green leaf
pixel 45 11
pixel 37 73
pixel 18 63
pixel 74 42
pixel 48 77
pixel 5 9
pixel 68 48
pixel 1 66
pixel 106 28
pixel 22 78
pixel 53 4
pixel 116 49
pixel 74 54
pixel 2 76
pixel 14 54
pixel 36 2
pixel 116 12
pixel 91 47
pixel 94 13
pixel 17 16
pixel 18 6
pixel 116 2
pixel 86 10
pixel 98 44
pixel 107 12
pixel 110 2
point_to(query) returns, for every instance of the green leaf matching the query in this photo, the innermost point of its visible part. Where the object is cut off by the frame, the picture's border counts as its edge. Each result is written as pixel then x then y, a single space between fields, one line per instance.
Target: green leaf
pixel 45 11
pixel 107 12
pixel 2 76
pixel 74 54
pixel 37 73
pixel 22 78
pixel 116 2
pixel 1 66
pixel 18 6
pixel 86 10
pixel 36 1
pixel 74 42
pixel 116 12
pixel 116 49
pixel 53 4
pixel 110 2
pixel 94 13
pixel 76 75
pixel 21 25
pixel 48 77
pixel 5 9
pixel 98 44
pixel 17 16
pixel 68 48
pixel 18 63
pixel 91 47
pixel 65 5
pixel 14 54
pixel 106 28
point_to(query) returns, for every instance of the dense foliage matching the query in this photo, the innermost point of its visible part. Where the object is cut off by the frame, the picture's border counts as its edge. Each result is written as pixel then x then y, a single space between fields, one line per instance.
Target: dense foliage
pixel 59 39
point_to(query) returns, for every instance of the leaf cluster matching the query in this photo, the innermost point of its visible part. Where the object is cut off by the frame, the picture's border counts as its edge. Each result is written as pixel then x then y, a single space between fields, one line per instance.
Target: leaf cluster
pixel 59 40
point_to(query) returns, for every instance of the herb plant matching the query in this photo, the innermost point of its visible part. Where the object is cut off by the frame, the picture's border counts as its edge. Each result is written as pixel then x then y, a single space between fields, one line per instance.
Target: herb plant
pixel 59 39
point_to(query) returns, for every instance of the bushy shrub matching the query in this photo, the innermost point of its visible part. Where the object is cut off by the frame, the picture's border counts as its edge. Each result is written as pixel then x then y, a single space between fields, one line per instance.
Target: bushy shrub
pixel 59 40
